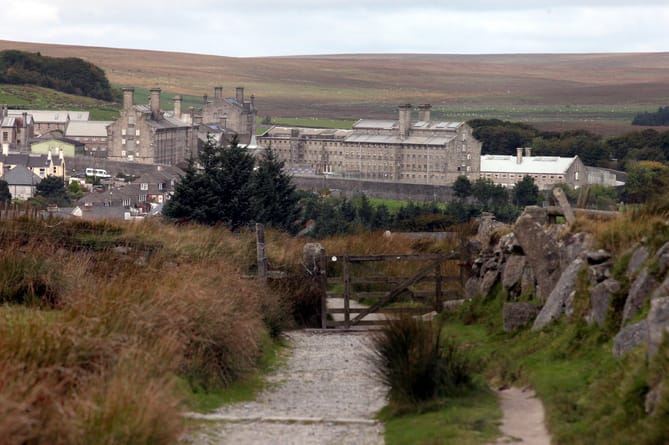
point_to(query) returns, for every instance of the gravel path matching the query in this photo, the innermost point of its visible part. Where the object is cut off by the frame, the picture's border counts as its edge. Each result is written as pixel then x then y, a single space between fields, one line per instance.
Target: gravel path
pixel 523 418
pixel 326 394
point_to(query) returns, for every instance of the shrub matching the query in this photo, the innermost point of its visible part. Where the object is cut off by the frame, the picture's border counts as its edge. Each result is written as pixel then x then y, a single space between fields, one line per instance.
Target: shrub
pixel 28 279
pixel 417 364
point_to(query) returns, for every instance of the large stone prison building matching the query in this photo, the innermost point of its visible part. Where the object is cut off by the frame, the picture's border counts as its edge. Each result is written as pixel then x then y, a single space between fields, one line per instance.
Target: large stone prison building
pixel 402 150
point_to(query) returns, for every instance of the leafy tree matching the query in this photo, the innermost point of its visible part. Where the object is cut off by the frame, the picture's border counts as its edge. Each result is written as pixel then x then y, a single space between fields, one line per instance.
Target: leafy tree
pixel 274 197
pixel 74 191
pixel 52 190
pixel 462 187
pixel 5 195
pixel 526 192
pixel 646 181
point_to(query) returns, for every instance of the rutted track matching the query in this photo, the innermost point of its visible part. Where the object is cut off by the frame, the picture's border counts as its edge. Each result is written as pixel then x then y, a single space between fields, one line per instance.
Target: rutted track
pixel 325 394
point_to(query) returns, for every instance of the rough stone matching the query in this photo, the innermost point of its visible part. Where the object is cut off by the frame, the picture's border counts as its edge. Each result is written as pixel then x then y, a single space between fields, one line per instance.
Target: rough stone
pixel 311 254
pixel 639 292
pixel 573 245
pixel 486 228
pixel 600 299
pixel 662 255
pixel 653 398
pixel 639 256
pixel 517 315
pixel 488 281
pixel 629 337
pixel 658 323
pixel 597 256
pixel 558 300
pixel 513 270
pixel 537 214
pixel 508 244
pixel 472 288
pixel 527 283
pixel 542 253
pixel 662 290
pixel 599 272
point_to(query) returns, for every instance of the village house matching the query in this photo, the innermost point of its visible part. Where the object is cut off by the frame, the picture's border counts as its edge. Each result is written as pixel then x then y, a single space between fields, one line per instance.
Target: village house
pixel 418 151
pixel 16 129
pixel 42 165
pixel 145 134
pixel 55 144
pixel 546 171
pixel 92 134
pixel 22 182
pixel 45 121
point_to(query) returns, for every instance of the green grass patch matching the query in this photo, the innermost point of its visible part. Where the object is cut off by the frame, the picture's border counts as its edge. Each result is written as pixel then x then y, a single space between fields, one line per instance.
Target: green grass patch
pixel 469 419
pixel 590 396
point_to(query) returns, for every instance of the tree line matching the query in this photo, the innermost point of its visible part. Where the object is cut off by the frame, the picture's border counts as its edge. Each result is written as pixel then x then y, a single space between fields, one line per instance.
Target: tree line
pixel 660 117
pixel 620 152
pixel 70 75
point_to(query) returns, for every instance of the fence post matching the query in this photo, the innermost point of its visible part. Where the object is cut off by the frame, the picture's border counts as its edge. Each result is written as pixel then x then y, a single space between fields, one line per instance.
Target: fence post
pixel 438 299
pixel 347 292
pixel 260 252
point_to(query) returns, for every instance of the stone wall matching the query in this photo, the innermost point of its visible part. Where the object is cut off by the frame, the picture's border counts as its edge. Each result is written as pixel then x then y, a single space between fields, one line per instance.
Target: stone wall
pixel 376 189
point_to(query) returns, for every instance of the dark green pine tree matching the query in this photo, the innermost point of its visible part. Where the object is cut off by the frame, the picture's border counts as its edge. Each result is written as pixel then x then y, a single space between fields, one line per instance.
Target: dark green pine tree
pixel 219 193
pixel 275 201
pixel 52 190
pixel 526 192
pixel 5 195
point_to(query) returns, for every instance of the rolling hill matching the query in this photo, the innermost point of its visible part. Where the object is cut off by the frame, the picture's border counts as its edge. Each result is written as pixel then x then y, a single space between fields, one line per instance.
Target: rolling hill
pixel 600 92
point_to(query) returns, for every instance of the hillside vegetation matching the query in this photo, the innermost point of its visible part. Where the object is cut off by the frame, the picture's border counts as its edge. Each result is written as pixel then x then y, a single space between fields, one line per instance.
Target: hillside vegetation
pixel 598 92
pixel 70 75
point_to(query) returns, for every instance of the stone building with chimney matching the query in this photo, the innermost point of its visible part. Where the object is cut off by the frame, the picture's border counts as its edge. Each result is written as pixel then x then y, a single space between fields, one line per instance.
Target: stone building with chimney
pixel 234 115
pixel 146 134
pixel 405 150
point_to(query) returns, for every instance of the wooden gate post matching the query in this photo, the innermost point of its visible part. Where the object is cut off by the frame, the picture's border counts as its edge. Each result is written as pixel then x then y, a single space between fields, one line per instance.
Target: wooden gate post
pixel 260 252
pixel 438 300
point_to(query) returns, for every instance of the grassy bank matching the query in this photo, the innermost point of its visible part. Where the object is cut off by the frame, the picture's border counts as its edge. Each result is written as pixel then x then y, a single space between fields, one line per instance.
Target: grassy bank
pixel 109 331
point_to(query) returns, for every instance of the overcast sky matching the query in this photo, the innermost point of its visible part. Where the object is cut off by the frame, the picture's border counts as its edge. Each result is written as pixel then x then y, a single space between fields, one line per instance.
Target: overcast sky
pixel 294 27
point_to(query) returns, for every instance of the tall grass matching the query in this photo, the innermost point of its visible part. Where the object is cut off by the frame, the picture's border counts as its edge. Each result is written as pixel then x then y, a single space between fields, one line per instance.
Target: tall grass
pixel 417 364
pixel 106 317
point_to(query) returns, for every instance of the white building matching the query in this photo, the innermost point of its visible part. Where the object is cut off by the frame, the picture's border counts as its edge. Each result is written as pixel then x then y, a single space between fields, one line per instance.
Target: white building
pixel 546 171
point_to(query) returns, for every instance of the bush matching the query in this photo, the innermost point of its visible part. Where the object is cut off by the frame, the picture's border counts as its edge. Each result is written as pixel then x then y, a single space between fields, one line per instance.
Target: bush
pixel 418 365
pixel 28 279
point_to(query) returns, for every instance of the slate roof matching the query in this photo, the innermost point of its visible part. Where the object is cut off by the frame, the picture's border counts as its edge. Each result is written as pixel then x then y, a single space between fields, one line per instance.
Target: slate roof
pixel 87 128
pixel 396 140
pixel 29 160
pixel 384 124
pixel 20 175
pixel 529 164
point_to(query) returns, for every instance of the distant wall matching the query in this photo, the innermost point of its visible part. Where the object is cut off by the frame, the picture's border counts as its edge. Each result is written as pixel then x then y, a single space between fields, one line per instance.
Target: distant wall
pixel 376 189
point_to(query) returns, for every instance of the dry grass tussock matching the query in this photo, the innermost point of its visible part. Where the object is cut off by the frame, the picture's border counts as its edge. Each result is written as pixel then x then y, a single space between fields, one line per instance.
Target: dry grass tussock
pixel 91 347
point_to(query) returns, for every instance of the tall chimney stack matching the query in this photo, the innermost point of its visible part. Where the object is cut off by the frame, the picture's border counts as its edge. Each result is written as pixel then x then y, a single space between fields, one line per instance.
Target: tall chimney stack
pixel 519 155
pixel 424 112
pixel 218 92
pixel 128 98
pixel 155 103
pixel 177 106
pixel 405 119
pixel 528 151
pixel 239 95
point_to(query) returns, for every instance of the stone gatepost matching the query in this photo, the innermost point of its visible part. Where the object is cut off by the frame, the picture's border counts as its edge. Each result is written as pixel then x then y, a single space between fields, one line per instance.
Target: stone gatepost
pixel 315 264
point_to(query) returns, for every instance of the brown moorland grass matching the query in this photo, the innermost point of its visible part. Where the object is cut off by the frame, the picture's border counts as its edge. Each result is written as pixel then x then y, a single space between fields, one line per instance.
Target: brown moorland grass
pixel 139 307
pixel 599 91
